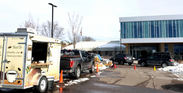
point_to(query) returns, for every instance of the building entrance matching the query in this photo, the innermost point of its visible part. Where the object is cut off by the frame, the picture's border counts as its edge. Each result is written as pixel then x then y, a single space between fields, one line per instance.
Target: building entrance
pixel 142 51
pixel 137 53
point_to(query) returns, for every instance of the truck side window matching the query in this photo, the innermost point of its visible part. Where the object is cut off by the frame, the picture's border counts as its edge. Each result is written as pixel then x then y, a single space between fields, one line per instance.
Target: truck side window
pixel 84 54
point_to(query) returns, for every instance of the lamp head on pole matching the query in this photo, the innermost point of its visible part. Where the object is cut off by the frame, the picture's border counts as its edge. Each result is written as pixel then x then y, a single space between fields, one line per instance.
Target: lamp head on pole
pixel 52 5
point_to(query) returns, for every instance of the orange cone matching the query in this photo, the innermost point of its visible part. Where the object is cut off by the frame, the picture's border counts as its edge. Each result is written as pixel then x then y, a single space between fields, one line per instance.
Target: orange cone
pixel 115 66
pixel 97 69
pixel 61 77
pixel 60 90
pixel 134 67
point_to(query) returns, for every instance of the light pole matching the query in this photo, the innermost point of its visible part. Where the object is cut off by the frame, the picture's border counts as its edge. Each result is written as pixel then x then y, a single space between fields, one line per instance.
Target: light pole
pixel 52 18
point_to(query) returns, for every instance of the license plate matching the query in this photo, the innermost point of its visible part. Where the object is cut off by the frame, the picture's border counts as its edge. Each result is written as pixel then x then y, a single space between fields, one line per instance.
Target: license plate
pixel 129 58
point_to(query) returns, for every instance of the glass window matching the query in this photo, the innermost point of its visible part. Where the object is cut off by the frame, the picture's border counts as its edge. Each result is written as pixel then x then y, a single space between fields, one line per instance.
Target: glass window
pixel 181 28
pixel 122 29
pixel 131 30
pixel 152 29
pixel 125 30
pixel 178 28
pixel 170 23
pixel 143 28
pixel 163 29
pixel 167 28
pixel 135 29
pixel 174 28
pixel 166 47
pixel 157 29
pixel 139 29
pixel 146 29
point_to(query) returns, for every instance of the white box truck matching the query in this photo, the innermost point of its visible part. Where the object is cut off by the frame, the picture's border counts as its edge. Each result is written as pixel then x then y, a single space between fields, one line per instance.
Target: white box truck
pixel 28 60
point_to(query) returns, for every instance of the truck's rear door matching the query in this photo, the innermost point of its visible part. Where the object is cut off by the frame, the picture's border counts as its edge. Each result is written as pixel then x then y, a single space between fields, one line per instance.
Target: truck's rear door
pixel 12 58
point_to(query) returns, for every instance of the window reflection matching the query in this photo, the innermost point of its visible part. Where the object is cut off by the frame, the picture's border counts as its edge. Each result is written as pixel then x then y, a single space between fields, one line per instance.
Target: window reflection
pixel 152 29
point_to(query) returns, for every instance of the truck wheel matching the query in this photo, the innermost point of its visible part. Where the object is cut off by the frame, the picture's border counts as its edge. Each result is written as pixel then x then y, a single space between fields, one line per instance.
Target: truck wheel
pixel 130 63
pixel 164 64
pixel 92 68
pixel 142 64
pixel 77 72
pixel 121 62
pixel 42 85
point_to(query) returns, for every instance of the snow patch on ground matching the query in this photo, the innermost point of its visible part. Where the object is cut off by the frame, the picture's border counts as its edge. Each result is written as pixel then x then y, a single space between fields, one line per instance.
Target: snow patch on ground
pixel 176 70
pixel 72 82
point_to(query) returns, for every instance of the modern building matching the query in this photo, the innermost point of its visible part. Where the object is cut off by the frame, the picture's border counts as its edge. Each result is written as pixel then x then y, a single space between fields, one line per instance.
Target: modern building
pixel 104 48
pixel 144 35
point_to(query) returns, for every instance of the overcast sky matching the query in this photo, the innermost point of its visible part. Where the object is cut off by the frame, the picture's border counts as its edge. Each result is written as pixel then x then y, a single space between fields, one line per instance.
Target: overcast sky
pixel 100 17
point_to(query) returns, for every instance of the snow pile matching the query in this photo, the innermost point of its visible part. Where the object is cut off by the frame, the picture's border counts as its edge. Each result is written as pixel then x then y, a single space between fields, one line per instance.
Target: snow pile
pixel 178 68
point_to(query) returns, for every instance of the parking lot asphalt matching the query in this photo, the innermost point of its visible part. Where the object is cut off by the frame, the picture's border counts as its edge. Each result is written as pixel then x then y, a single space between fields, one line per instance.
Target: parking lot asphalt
pixel 143 77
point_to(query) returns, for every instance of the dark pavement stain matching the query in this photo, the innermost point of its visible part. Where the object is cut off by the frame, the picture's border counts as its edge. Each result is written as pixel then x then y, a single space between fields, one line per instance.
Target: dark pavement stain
pixel 174 87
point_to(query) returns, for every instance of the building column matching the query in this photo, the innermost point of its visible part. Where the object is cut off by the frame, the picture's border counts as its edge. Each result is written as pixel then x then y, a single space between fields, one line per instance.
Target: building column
pixel 171 49
pixel 127 48
pixel 162 47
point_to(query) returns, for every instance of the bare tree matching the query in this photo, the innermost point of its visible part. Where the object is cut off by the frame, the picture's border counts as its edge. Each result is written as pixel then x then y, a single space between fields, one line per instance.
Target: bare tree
pixel 45 29
pixel 58 32
pixel 30 23
pixel 74 28
pixel 87 38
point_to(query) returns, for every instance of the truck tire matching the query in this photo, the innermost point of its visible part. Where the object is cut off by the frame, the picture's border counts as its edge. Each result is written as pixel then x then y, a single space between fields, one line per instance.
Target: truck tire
pixel 129 63
pixel 164 64
pixel 42 86
pixel 143 64
pixel 92 68
pixel 77 72
pixel 121 62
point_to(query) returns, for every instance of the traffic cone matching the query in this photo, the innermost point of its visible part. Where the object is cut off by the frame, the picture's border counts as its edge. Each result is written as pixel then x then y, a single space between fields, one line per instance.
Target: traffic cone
pixel 61 77
pixel 134 67
pixel 60 90
pixel 154 68
pixel 115 66
pixel 97 69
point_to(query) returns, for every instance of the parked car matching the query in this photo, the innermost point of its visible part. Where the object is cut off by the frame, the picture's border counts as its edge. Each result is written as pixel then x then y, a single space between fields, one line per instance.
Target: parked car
pixel 122 58
pixel 157 59
pixel 73 62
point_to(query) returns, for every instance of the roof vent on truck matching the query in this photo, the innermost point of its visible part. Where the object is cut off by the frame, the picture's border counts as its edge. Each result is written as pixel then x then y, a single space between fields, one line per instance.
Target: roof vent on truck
pixel 26 30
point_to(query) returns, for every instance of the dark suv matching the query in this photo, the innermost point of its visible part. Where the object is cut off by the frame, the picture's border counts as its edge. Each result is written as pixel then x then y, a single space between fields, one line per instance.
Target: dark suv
pixel 157 59
pixel 122 58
